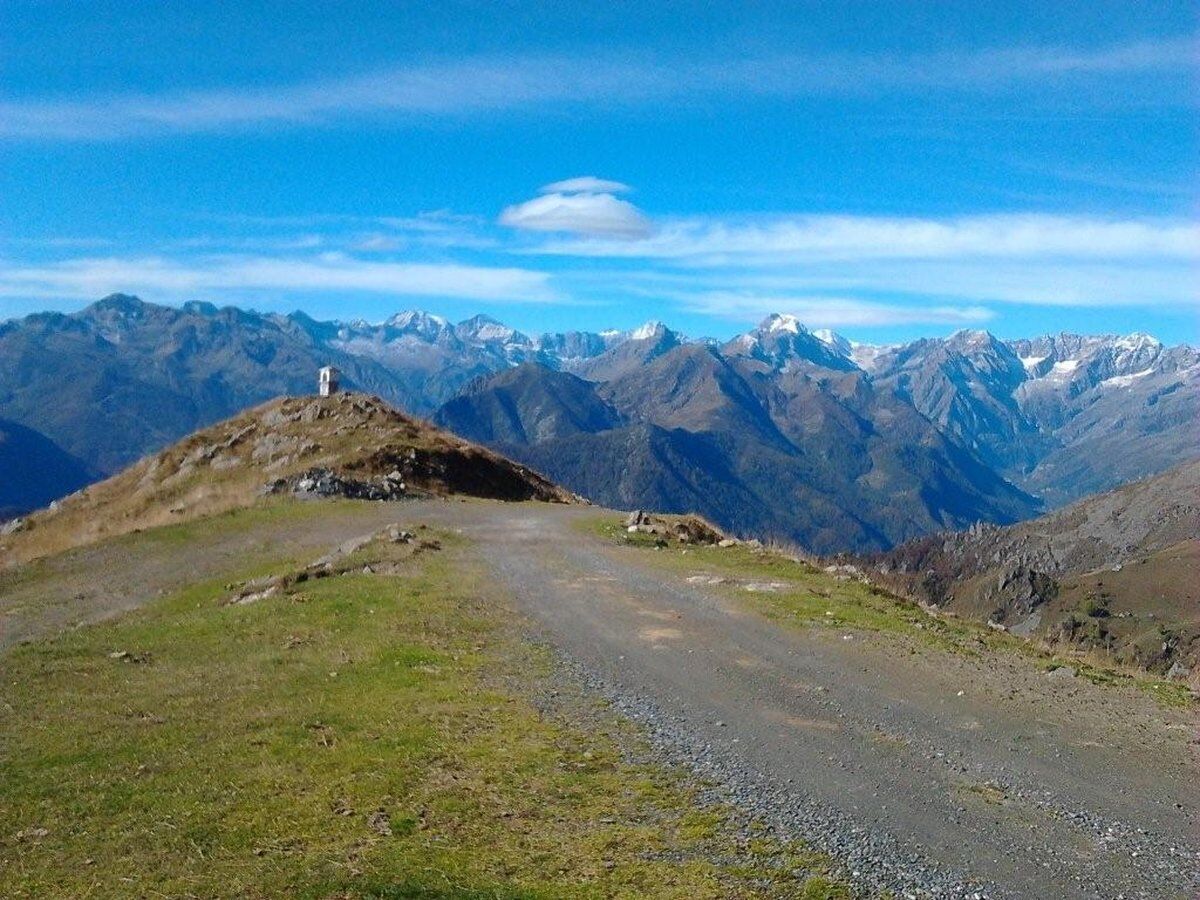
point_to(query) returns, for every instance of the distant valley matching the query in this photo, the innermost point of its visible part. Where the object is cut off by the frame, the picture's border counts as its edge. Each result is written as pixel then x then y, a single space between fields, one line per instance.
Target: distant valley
pixel 781 432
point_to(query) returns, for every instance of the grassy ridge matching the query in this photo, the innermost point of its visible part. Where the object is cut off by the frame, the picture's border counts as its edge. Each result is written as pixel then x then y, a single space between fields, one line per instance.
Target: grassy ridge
pixel 363 736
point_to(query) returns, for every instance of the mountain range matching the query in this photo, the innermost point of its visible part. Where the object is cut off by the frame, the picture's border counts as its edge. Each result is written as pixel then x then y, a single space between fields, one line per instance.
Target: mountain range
pixel 780 432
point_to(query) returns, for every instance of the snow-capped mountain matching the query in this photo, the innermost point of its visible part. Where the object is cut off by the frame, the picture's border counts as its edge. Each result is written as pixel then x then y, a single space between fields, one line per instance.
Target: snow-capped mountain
pixel 781 341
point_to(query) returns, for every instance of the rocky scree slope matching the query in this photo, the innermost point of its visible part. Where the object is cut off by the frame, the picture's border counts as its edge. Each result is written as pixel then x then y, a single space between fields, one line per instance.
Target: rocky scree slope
pixel 1116 572
pixel 349 444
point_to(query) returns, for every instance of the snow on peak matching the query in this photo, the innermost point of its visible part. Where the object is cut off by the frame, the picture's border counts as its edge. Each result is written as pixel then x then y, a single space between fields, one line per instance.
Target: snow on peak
pixel 972 338
pixel 782 322
pixel 1139 340
pixel 834 341
pixel 493 331
pixel 651 329
pixel 415 318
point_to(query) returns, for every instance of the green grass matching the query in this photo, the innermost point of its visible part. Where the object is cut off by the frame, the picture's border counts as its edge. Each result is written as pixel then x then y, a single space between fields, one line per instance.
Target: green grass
pixel 813 598
pixel 359 737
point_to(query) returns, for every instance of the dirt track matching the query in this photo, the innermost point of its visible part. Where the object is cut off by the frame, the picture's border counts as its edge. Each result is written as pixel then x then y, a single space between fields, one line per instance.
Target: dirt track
pixel 1019 786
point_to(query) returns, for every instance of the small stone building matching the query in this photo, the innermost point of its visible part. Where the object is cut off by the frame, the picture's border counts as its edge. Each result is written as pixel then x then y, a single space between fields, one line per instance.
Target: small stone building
pixel 327 380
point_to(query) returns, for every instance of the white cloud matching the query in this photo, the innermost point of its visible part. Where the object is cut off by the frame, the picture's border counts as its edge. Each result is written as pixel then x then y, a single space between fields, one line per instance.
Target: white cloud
pixel 835 237
pixel 1031 259
pixel 967 282
pixel 512 83
pixel 593 215
pixel 169 278
pixel 587 184
pixel 832 312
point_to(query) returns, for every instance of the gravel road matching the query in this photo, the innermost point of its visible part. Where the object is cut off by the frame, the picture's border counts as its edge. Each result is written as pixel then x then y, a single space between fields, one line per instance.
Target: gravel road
pixel 927 773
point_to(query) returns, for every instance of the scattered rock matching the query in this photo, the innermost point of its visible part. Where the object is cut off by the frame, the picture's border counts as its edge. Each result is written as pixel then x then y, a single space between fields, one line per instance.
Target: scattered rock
pixel 689 529
pixel 695 530
pixel 12 526
pixel 1178 672
pixel 322 482
pixel 125 656
pixel 398 535
pixel 844 572
pixel 1062 672
pixel 380 822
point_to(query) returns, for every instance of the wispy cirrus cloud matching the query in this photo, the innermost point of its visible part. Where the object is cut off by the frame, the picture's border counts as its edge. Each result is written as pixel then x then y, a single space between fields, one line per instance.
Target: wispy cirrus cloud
pixel 831 311
pixel 499 84
pixel 175 279
pixel 787 239
pixel 1043 260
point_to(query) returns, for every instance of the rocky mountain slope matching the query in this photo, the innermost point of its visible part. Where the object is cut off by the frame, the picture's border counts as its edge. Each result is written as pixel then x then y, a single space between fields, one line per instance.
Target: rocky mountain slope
pixel 35 470
pixel 1062 416
pixel 794 444
pixel 528 404
pixel 795 433
pixel 352 445
pixel 1116 572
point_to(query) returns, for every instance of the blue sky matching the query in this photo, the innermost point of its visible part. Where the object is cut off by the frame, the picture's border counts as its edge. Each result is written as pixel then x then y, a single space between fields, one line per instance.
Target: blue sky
pixel 886 169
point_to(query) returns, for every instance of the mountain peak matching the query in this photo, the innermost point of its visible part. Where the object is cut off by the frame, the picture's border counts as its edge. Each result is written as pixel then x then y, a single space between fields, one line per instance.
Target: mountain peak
pixel 125 304
pixel 485 329
pixel 971 337
pixel 777 323
pixel 834 341
pixel 352 437
pixel 200 308
pixel 1138 340
pixel 651 329
pixel 780 340
pixel 416 320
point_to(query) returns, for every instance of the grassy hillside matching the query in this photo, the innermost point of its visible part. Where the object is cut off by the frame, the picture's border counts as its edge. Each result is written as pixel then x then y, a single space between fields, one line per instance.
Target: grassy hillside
pixel 379 732
pixel 1113 573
